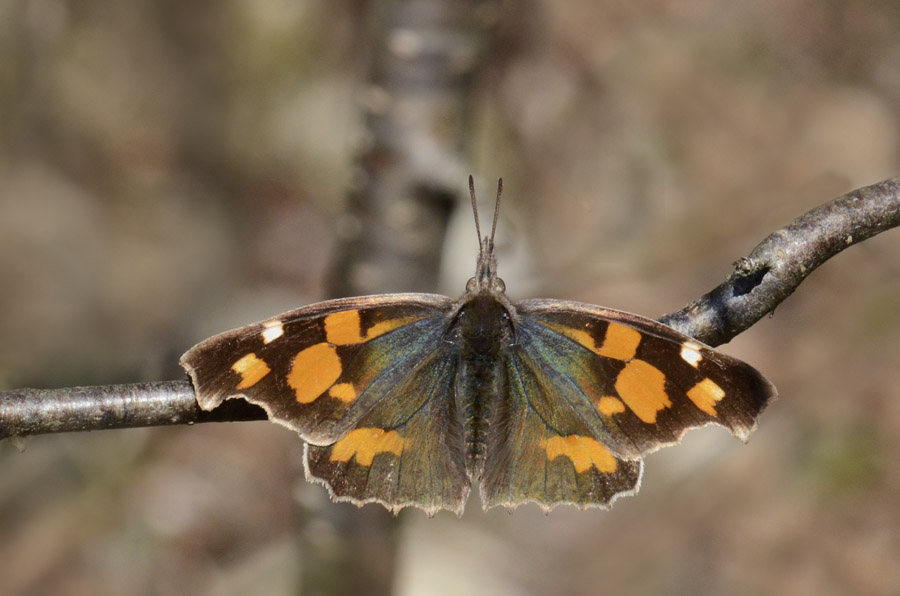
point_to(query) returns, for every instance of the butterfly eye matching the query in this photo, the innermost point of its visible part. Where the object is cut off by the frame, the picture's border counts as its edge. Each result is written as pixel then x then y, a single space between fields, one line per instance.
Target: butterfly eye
pixel 499 285
pixel 470 285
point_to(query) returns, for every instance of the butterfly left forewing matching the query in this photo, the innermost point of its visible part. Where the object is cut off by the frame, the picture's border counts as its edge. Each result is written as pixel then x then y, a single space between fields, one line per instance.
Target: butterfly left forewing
pixel 311 368
pixel 368 382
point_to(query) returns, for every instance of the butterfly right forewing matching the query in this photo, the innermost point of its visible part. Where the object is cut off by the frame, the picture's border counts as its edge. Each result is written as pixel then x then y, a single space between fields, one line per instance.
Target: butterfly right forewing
pixel 646 382
pixel 591 390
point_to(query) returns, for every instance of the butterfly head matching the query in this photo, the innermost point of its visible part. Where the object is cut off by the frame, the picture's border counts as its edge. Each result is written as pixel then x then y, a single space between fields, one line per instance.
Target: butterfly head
pixel 486 280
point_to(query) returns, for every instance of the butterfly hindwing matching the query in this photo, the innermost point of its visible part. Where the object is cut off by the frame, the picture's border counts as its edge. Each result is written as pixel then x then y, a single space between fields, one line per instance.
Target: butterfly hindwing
pixel 423 461
pixel 367 381
pixel 647 383
pixel 541 449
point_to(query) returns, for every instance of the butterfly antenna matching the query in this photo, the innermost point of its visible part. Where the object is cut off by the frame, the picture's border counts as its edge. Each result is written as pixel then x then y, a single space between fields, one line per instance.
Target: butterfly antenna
pixel 496 209
pixel 475 209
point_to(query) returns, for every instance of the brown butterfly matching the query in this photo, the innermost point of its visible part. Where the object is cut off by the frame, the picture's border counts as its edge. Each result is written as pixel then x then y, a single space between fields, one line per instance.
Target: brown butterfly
pixel 410 399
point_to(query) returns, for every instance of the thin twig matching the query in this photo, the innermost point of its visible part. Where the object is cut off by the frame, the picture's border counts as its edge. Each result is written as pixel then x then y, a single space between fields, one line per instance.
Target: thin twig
pixel 780 263
pixel 37 411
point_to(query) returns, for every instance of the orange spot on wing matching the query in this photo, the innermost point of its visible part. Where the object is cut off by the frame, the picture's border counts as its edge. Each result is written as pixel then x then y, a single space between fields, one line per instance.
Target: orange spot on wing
pixel 608 405
pixel 584 453
pixel 389 325
pixel 343 391
pixel 579 335
pixel 344 327
pixel 313 371
pixel 365 444
pixel 642 387
pixel 621 342
pixel 252 369
pixel 705 395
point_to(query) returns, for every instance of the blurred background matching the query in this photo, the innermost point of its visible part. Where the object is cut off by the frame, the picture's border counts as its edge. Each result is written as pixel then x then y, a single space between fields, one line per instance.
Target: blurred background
pixel 169 170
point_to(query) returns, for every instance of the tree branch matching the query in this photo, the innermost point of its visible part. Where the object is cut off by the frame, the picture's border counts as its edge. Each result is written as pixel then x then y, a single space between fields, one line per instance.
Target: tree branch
pixel 780 263
pixel 760 281
pixel 37 411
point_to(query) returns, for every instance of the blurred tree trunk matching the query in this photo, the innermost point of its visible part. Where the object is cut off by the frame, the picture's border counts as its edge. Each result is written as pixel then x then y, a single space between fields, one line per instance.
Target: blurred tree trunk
pixel 423 58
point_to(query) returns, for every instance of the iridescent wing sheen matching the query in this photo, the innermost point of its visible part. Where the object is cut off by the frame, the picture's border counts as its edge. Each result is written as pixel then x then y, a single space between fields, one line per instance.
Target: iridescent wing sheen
pixel 368 382
pixel 592 390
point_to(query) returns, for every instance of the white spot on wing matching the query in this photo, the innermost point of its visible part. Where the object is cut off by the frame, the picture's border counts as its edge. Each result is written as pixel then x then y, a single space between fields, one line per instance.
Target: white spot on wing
pixel 272 330
pixel 690 353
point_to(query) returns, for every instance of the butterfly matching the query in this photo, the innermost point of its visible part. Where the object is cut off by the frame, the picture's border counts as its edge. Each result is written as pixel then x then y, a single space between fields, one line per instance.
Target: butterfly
pixel 413 399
